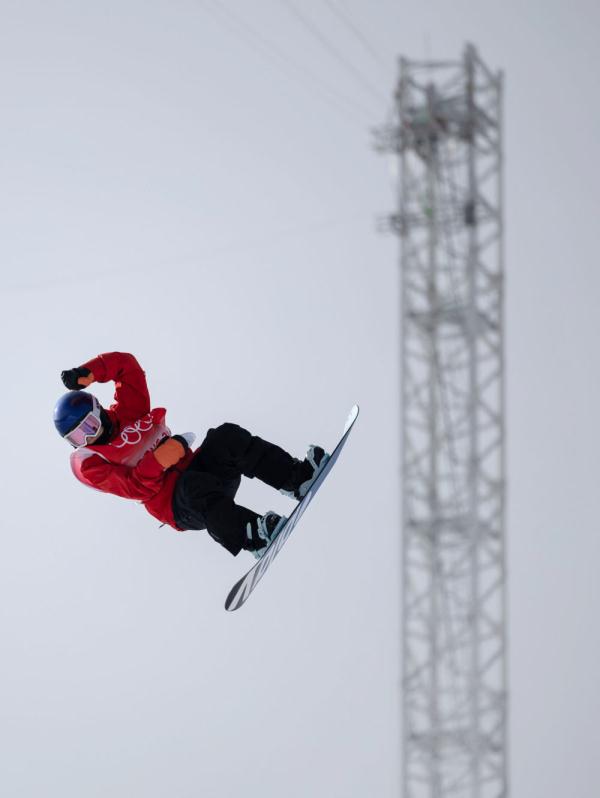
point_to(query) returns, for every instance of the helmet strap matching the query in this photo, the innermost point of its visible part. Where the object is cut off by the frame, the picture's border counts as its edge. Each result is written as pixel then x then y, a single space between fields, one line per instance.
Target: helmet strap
pixel 107 428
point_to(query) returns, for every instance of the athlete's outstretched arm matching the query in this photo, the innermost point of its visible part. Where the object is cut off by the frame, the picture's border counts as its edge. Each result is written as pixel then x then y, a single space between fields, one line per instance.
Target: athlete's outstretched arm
pixel 140 482
pixel 131 389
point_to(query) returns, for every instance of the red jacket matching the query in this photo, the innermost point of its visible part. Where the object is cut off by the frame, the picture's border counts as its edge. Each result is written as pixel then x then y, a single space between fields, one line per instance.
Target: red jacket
pixel 126 465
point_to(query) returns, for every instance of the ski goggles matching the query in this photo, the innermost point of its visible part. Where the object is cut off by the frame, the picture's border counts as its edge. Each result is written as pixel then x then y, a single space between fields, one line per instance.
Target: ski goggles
pixel 87 429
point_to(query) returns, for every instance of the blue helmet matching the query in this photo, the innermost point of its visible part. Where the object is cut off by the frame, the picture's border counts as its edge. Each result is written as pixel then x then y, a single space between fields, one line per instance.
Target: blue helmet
pixel 77 417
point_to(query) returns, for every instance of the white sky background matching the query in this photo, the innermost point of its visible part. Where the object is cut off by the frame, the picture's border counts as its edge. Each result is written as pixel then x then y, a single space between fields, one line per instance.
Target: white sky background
pixel 169 187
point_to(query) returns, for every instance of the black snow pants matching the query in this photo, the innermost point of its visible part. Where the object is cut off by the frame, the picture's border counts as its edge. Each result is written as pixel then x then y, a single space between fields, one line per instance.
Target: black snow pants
pixel 204 493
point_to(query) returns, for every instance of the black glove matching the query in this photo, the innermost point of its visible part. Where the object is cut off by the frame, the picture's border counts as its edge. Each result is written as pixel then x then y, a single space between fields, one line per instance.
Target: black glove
pixel 70 377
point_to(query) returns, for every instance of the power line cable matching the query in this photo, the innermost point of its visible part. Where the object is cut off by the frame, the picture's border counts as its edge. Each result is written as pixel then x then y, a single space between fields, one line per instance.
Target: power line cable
pixel 334 52
pixel 254 244
pixel 256 40
pixel 343 17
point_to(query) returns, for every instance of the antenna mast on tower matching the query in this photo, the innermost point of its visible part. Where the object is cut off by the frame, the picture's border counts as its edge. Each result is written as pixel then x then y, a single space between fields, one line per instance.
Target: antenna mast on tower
pixel 448 136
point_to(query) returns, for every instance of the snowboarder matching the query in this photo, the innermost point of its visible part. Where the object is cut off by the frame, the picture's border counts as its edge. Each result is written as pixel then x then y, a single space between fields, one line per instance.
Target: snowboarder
pixel 128 450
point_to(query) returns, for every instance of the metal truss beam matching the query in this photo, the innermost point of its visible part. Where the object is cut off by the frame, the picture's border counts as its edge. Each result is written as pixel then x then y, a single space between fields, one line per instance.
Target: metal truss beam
pixel 448 136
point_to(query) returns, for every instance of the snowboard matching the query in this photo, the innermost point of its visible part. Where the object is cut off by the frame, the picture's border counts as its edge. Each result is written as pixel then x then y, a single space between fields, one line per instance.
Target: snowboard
pixel 244 587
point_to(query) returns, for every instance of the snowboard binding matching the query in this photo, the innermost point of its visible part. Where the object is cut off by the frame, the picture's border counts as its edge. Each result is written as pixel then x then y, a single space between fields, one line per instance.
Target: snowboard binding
pixel 304 473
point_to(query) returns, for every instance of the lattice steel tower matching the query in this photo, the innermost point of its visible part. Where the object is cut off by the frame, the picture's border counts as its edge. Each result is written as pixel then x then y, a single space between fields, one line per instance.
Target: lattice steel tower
pixel 448 136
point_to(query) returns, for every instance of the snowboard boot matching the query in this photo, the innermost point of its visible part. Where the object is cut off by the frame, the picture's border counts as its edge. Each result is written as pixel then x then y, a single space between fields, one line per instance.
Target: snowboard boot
pixel 262 532
pixel 304 473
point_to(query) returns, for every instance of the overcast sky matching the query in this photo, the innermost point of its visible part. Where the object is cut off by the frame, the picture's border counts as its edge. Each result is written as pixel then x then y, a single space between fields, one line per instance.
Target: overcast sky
pixel 193 182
